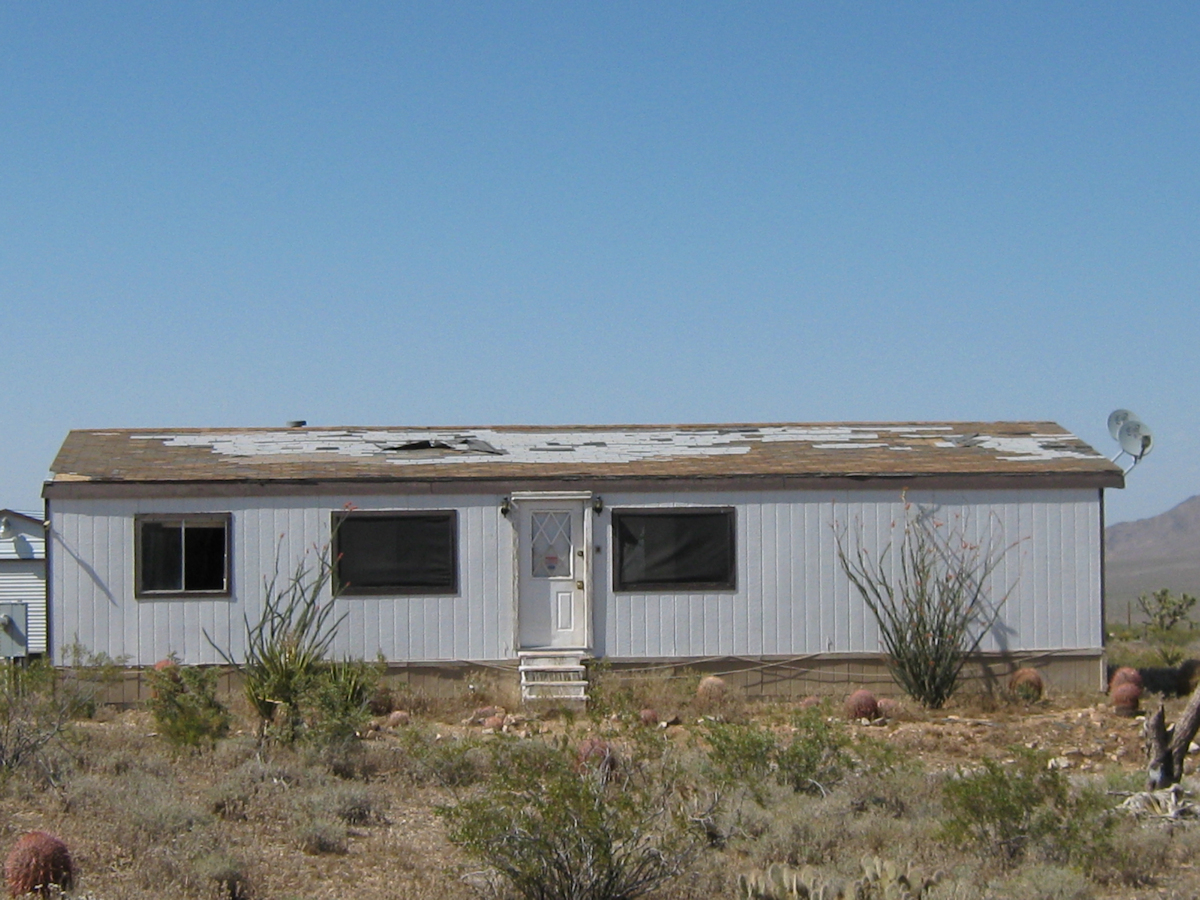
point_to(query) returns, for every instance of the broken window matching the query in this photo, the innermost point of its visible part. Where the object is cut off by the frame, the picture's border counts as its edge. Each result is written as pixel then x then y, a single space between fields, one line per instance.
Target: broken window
pixel 182 555
pixel 396 553
pixel 674 549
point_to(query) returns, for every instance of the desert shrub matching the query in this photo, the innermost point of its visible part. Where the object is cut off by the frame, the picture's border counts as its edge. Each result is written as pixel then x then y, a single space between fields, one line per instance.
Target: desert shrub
pixel 1000 809
pixel 286 646
pixel 321 837
pixel 626 694
pixel 933 608
pixel 231 797
pixel 352 804
pixel 740 755
pixel 555 830
pixel 154 811
pixel 347 759
pixel 1046 882
pixel 86 676
pixel 219 870
pixel 33 714
pixel 1009 810
pixel 816 756
pixel 336 701
pixel 452 764
pixel 185 707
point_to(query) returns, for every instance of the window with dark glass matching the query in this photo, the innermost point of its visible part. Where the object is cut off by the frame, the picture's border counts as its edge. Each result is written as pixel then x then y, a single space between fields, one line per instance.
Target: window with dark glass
pixel 181 555
pixel 396 553
pixel 674 549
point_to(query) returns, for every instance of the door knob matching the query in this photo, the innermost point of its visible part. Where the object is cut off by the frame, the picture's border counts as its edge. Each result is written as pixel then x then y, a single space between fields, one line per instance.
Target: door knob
pixel 579 585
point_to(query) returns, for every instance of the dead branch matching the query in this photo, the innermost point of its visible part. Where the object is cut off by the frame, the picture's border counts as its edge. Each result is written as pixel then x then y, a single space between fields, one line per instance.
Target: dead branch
pixel 1167 746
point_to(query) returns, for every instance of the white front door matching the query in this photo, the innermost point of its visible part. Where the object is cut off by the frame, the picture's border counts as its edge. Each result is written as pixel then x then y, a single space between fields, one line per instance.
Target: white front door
pixel 554 576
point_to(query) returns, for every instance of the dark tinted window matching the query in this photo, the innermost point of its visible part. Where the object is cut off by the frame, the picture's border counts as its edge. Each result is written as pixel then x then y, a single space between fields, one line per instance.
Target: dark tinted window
pixel 181 556
pixel 409 553
pixel 674 549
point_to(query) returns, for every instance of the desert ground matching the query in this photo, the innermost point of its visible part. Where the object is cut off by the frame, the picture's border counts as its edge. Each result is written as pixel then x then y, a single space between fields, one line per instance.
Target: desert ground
pixel 247 818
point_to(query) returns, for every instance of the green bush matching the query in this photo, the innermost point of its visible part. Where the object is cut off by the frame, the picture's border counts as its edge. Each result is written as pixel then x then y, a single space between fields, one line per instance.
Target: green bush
pixel 183 701
pixel 336 701
pixel 322 837
pixel 38 703
pixel 348 803
pixel 286 646
pixel 814 757
pixel 1007 810
pixel 740 755
pixel 452 764
pixel 556 828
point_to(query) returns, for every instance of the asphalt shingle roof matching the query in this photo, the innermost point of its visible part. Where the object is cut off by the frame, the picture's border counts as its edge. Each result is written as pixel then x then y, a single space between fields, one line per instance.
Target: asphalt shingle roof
pixel 851 450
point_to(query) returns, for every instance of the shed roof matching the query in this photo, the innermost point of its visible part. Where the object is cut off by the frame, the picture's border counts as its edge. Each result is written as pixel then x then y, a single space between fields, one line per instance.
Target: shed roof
pixel 23 539
pixel 860 451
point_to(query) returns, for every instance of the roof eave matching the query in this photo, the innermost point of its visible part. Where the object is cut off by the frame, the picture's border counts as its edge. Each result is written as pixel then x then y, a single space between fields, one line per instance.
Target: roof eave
pixel 115 488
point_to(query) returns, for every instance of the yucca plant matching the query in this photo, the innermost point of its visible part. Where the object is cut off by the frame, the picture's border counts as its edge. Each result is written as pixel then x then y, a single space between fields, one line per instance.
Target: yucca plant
pixel 286 646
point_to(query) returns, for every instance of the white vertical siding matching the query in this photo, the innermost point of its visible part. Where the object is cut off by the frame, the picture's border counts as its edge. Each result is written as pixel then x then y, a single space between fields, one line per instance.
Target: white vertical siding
pixel 94 565
pixel 24 581
pixel 23 577
pixel 792 597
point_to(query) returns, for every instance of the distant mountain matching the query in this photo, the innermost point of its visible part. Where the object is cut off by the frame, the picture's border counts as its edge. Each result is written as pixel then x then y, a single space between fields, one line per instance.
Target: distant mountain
pixel 1173 533
pixel 1150 554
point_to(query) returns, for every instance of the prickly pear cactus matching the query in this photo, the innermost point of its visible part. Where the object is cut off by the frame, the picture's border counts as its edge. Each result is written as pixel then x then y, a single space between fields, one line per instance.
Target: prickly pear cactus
pixel 884 880
pixel 780 882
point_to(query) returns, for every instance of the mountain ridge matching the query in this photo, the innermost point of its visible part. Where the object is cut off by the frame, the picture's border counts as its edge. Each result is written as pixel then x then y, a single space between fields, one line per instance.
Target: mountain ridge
pixel 1147 555
pixel 1175 532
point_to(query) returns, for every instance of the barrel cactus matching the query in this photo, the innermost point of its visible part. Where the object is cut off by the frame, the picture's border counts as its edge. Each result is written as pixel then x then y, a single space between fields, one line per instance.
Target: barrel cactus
pixel 37 863
pixel 1027 684
pixel 862 705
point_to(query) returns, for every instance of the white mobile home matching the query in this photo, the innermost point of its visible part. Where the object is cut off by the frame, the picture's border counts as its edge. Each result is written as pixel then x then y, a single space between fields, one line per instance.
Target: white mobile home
pixel 642 545
pixel 22 584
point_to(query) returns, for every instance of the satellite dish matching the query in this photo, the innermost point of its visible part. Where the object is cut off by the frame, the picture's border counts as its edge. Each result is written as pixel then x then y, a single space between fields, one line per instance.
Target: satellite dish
pixel 1116 419
pixel 1135 438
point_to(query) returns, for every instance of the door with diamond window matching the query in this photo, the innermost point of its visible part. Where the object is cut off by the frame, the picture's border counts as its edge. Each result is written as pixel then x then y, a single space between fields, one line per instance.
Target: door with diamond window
pixel 553 574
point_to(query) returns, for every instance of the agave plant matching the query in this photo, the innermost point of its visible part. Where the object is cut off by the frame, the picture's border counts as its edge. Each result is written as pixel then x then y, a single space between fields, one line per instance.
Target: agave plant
pixel 285 647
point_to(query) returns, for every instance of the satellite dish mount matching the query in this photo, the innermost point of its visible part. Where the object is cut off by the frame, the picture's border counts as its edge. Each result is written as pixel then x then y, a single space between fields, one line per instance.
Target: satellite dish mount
pixel 1132 434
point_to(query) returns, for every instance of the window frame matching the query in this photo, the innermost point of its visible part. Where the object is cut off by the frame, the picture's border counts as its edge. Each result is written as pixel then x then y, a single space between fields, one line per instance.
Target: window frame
pixel 224 519
pixel 641 587
pixel 451 515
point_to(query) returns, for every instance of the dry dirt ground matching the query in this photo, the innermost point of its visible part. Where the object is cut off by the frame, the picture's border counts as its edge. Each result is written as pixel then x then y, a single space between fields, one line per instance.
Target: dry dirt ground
pixel 245 821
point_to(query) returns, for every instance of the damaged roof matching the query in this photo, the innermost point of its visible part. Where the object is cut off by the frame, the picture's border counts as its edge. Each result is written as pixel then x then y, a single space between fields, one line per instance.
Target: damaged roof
pixel 860 451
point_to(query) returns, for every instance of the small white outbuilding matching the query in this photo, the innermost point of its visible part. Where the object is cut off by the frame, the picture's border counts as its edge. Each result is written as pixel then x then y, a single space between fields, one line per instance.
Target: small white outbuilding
pixel 22 584
pixel 711 546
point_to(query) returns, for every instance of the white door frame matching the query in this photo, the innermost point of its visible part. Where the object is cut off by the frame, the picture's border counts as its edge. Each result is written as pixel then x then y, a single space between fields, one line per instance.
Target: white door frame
pixel 584 572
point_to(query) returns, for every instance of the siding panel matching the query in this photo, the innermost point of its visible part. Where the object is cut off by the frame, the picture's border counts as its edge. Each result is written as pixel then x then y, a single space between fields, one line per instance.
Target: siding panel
pixel 791 596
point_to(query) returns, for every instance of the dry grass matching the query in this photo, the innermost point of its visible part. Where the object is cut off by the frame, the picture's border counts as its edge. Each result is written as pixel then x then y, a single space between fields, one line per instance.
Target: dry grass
pixel 241 821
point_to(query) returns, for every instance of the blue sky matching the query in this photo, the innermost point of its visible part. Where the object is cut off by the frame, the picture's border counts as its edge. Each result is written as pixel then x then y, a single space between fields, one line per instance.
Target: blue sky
pixel 240 214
